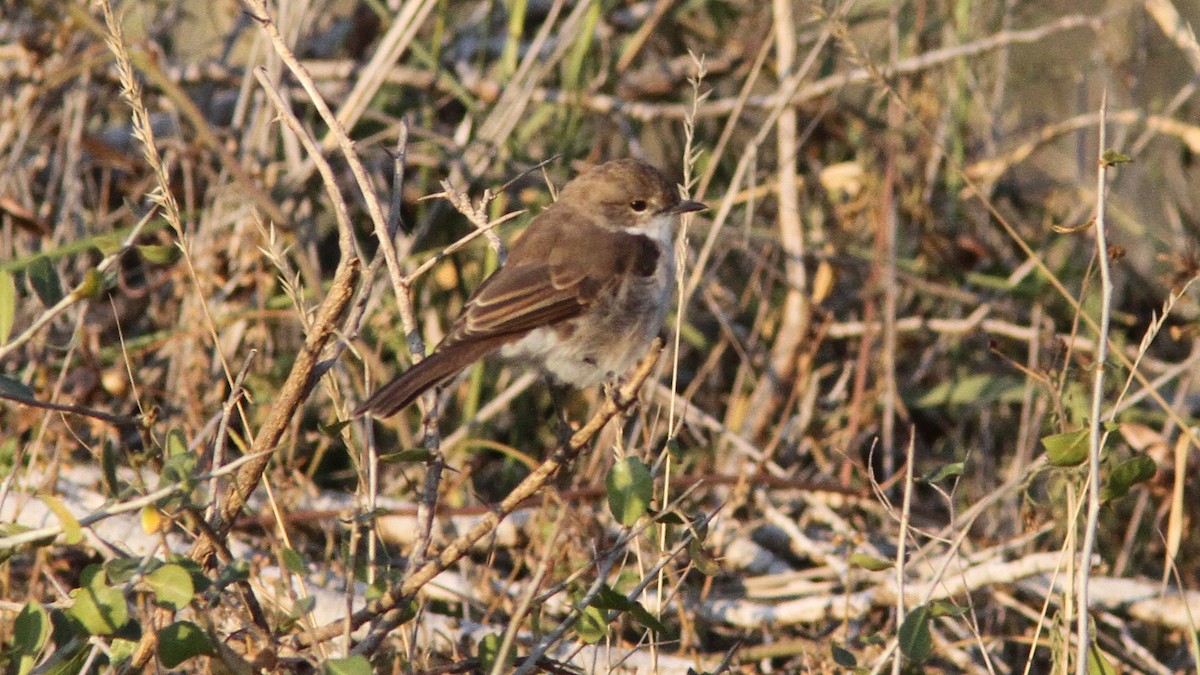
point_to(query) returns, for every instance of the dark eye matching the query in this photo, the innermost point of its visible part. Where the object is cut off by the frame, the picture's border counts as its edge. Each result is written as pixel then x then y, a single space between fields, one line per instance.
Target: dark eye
pixel 638 205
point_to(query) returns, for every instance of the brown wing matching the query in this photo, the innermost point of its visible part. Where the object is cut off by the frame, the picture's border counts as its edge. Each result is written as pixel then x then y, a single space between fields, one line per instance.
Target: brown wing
pixel 554 272
pixel 407 386
pixel 518 299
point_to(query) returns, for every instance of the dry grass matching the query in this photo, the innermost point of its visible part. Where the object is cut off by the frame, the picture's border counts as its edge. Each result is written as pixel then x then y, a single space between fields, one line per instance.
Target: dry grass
pixel 222 224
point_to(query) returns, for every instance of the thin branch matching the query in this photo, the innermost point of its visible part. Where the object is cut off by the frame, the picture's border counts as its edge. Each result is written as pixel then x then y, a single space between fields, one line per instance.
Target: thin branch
pixel 1096 431
pixel 389 610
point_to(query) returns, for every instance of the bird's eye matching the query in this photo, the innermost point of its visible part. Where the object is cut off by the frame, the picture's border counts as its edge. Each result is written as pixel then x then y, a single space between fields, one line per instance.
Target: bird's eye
pixel 638 205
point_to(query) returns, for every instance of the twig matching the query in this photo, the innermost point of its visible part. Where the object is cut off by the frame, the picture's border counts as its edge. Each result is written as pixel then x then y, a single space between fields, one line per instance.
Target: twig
pixel 388 610
pixel 902 535
pixel 13 541
pixel 113 419
pixel 794 317
pixel 235 397
pixel 404 27
pixel 85 289
pixel 1096 431
pixel 603 568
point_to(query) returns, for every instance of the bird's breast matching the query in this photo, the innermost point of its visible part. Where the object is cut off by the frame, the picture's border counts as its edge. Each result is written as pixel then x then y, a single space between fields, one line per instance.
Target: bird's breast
pixel 606 340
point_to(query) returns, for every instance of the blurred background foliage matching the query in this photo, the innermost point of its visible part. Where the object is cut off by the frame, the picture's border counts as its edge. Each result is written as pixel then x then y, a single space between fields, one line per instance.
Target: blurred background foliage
pixel 934 147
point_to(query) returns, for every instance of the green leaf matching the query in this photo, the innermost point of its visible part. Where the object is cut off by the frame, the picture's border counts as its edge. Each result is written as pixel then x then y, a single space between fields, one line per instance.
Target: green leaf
pixel 489 650
pixel 91 286
pixel 668 518
pixel 842 656
pixel 630 489
pixel 592 626
pixel 1127 474
pixel 172 586
pixel 303 606
pixel 72 533
pixel 870 562
pixel 44 279
pixel 701 560
pixel 1066 449
pixel 120 649
pixel 334 429
pixel 121 570
pixel 68 659
pixel 30 629
pixel 14 389
pixel 1112 157
pixel 1098 663
pixel 607 598
pixel 407 457
pixel 952 470
pixel 176 443
pixel 644 617
pixel 916 642
pixel 178 470
pixel 200 580
pixel 160 255
pixel 100 608
pixel 8 305
pixel 109 462
pixel 181 641
pixel 971 390
pixel 353 665
pixel 107 242
pixel 293 561
pixel 943 608
pixel 237 570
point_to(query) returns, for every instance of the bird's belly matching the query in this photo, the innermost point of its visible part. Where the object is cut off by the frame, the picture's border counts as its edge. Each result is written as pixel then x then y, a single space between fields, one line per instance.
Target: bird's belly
pixel 604 342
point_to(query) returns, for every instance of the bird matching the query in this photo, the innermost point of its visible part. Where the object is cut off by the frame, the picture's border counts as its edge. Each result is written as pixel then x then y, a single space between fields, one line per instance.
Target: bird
pixel 584 290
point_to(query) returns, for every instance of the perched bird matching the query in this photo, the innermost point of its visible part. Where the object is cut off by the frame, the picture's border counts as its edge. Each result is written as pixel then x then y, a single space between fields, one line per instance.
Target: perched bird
pixel 582 294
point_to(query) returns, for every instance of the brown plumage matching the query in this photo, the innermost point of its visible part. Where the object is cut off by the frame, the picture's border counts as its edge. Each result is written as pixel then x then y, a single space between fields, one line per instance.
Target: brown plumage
pixel 582 293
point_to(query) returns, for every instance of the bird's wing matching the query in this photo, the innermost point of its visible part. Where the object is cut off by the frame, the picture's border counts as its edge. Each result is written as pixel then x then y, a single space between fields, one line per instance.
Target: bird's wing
pixel 519 298
pixel 513 301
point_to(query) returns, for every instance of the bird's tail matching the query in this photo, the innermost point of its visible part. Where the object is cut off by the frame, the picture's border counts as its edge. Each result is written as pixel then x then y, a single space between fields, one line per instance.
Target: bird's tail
pixel 433 369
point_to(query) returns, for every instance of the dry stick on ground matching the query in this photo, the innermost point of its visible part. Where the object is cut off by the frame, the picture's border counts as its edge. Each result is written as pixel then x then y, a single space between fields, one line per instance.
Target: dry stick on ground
pixel 299 382
pixel 163 196
pixel 1096 435
pixel 390 610
pixel 794 318
pixel 110 418
pixel 134 504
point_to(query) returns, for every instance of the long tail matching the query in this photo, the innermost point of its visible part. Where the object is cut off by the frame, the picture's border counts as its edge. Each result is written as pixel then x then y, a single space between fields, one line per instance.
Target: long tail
pixel 438 366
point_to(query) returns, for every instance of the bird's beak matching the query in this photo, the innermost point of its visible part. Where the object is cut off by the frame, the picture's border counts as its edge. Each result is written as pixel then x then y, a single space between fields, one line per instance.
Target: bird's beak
pixel 687 206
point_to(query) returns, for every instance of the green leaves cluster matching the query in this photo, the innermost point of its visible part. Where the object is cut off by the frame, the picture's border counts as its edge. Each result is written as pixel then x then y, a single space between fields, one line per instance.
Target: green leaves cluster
pixel 59 640
pixel 1070 449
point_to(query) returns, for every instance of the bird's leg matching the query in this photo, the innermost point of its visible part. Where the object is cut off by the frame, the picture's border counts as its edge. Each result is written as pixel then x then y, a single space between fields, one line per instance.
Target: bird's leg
pixel 558 396
pixel 612 389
